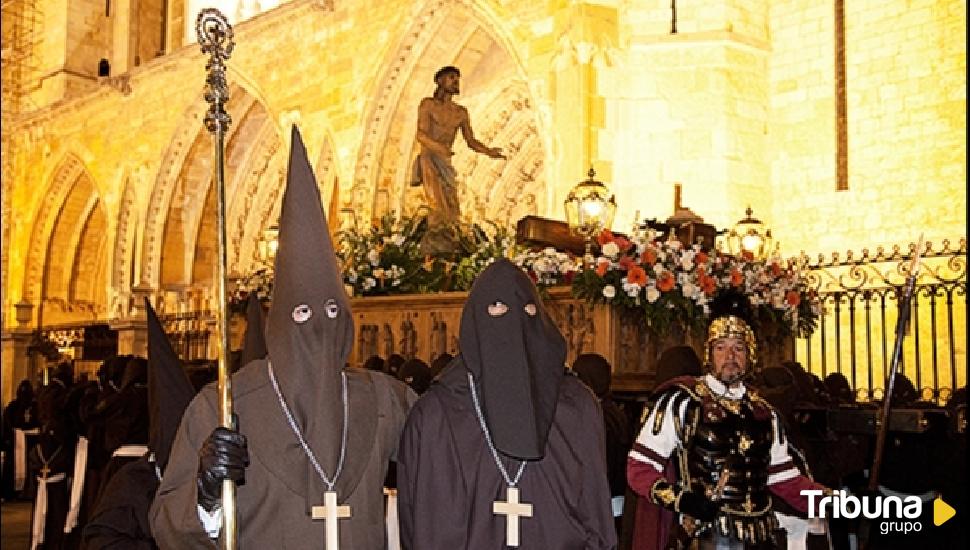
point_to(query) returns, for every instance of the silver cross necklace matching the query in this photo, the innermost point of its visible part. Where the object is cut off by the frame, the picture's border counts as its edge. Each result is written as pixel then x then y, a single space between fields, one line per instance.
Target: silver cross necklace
pixel 511 508
pixel 330 511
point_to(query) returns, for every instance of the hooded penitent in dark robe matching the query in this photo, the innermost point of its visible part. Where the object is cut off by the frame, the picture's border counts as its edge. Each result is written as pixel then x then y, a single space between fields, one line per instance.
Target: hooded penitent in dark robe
pixel 448 479
pixel 309 336
pixel 52 462
pixel 19 414
pixel 100 402
pixel 126 429
pixel 121 517
pixel 594 370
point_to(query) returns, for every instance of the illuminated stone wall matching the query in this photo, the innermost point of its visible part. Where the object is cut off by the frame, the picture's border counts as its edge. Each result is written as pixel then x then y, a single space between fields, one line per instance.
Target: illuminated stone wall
pixel 906 112
pixel 738 105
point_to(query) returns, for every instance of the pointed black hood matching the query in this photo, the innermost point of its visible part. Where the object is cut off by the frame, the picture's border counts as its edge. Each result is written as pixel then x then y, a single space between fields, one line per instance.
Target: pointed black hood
pixel 254 341
pixel 517 359
pixel 169 390
pixel 310 329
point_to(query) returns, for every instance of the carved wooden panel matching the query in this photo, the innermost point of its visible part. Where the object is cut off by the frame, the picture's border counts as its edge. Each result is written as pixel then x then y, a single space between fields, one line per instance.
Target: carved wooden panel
pixel 426 325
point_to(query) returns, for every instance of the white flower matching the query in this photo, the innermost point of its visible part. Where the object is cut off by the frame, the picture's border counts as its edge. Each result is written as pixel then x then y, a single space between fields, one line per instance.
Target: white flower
pixel 657 268
pixel 369 283
pixel 374 257
pixel 687 262
pixel 609 291
pixel 631 289
pixel 610 249
pixel 397 239
pixel 778 298
pixel 689 290
pixel 652 294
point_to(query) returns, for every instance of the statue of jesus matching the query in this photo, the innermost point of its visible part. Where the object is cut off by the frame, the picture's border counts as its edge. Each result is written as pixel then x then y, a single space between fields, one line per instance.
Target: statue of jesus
pixel 439 119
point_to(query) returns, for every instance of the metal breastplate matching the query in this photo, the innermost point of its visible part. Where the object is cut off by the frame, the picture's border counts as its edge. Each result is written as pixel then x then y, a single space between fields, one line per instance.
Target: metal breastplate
pixel 733 442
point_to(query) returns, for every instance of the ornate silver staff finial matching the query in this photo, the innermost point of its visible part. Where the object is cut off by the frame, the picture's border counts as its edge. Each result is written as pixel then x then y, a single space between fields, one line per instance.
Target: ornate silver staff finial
pixel 215 38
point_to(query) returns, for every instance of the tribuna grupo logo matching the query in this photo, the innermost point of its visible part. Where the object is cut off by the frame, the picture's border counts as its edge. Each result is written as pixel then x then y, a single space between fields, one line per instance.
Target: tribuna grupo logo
pixel 896 512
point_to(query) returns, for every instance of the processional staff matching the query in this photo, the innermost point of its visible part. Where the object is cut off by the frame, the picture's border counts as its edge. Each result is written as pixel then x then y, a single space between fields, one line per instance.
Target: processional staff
pixel 904 301
pixel 215 37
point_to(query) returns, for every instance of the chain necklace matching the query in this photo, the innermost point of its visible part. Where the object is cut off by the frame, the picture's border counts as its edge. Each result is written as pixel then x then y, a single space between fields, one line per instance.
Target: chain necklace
pixel 296 430
pixel 45 469
pixel 488 439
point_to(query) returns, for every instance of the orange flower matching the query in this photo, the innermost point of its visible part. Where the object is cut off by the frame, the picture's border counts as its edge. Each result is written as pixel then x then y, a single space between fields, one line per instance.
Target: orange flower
pixel 637 276
pixel 626 262
pixel 701 258
pixel 601 268
pixel 649 257
pixel 665 281
pixel 606 236
pixel 747 255
pixel 793 297
pixel 736 277
pixel 708 285
pixel 775 269
pixel 622 243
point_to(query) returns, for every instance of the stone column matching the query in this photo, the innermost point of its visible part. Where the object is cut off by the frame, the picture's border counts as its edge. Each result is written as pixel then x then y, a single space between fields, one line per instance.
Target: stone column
pixel 14 362
pixel 121 54
pixel 587 37
pixel 132 329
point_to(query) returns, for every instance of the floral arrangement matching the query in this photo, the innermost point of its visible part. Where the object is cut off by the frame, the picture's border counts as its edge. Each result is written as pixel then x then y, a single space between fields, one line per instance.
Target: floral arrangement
pixel 669 284
pixel 672 285
pixel 479 248
pixel 259 282
pixel 548 267
pixel 386 259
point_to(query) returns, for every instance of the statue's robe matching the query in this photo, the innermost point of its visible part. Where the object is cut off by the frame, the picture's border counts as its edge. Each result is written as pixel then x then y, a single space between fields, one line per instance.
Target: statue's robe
pixel 448 480
pixel 274 503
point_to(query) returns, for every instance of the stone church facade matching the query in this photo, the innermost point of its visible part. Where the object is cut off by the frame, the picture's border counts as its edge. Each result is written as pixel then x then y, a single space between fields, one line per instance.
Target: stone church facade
pixel 841 124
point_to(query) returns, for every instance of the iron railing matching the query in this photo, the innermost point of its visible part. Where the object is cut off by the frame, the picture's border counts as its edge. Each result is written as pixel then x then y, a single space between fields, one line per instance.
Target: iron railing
pixel 859 298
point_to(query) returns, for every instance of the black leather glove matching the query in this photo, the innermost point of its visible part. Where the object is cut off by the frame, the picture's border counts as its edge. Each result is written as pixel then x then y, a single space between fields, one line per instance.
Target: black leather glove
pixel 697 506
pixel 223 455
pixel 676 499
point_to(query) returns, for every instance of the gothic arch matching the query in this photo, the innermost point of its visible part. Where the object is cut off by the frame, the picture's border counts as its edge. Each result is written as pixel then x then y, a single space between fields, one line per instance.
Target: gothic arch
pixel 261 195
pixel 242 91
pixel 63 178
pixel 122 259
pixel 67 260
pixel 478 41
pixel 201 238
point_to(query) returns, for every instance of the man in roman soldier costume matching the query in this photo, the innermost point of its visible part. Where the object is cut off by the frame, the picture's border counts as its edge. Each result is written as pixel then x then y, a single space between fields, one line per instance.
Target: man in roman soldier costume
pixel 713 452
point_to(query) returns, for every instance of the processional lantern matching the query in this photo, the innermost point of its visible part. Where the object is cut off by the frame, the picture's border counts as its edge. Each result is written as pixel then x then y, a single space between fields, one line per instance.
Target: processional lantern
pixel 590 207
pixel 750 235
